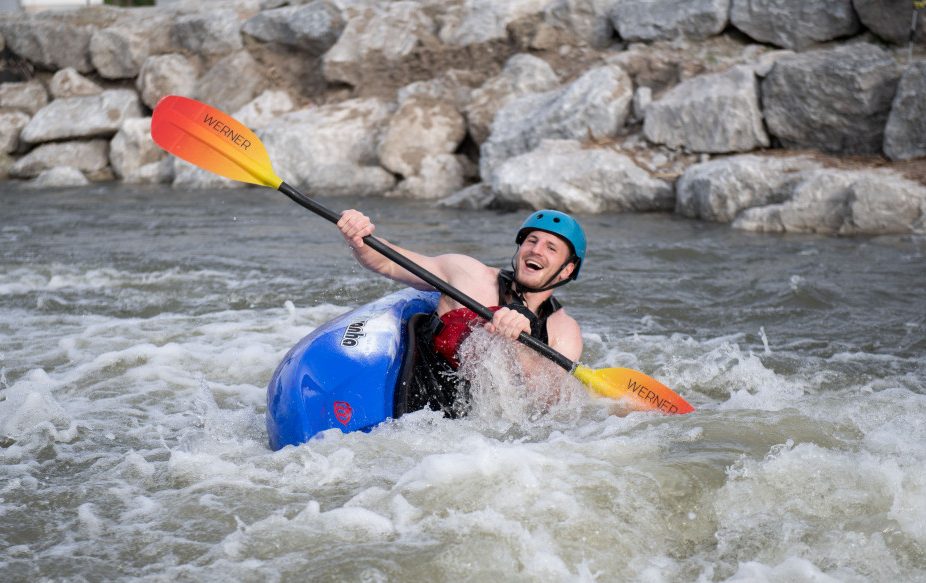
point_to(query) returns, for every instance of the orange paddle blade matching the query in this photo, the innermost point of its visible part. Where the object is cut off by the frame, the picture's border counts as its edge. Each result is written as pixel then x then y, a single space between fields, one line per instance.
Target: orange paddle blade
pixel 642 392
pixel 212 140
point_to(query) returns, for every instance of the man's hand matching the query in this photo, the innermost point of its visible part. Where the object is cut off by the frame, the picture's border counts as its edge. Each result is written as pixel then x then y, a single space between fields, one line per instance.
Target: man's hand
pixel 509 323
pixel 354 226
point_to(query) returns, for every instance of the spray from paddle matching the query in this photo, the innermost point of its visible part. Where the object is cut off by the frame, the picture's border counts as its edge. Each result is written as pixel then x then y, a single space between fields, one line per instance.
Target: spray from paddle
pixel 214 141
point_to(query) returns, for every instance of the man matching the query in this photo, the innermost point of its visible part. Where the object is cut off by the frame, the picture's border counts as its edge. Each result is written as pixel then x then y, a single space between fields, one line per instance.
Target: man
pixel 551 249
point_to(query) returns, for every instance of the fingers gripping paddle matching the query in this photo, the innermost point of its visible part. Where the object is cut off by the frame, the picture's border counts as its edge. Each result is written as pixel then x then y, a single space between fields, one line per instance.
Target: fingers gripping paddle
pixel 214 141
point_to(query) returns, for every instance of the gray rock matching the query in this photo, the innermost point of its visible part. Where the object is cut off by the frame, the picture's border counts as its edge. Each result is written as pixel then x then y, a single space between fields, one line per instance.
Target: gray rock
pixel 214 88
pixel 211 33
pixel 890 19
pixel 716 113
pixel 523 74
pixel 565 175
pixel 422 127
pixel 331 149
pixel 594 106
pixel 794 24
pixel 59 177
pixel 642 99
pixel 28 96
pixel 312 27
pixel 473 197
pixel 90 157
pixel 473 22
pixel 832 201
pixel 162 75
pixel 131 149
pixel 438 176
pixel 11 125
pixel 118 53
pixel 589 21
pixel 82 117
pixel 649 20
pixel 69 83
pixel 455 86
pixel 905 133
pixel 264 109
pixel 721 189
pixel 48 43
pixel 835 100
pixel 377 38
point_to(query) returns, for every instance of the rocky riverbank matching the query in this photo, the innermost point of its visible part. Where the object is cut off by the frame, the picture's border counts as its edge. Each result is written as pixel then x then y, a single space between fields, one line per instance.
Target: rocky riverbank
pixel 771 115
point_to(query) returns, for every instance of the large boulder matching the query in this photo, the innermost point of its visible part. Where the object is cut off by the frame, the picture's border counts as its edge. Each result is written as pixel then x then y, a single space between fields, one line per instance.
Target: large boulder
pixel 265 109
pixel 331 149
pixel 794 24
pixel 208 34
pixel 69 83
pixel 710 113
pixel 48 43
pixel 890 19
pixel 587 21
pixel 421 127
pixel 474 22
pixel 564 174
pixel 171 74
pixel 27 96
pixel 649 20
pixel 117 52
pixel 905 133
pixel 719 190
pixel 439 175
pixel 377 39
pixel 214 88
pixel 90 157
pixel 843 202
pixel 594 106
pixel 132 151
pixel 835 100
pixel 312 27
pixel 86 116
pixel 11 125
pixel 523 74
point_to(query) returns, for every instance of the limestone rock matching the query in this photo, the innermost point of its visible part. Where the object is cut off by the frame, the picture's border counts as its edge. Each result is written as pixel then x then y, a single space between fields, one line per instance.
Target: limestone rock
pixel 48 43
pixel 312 27
pixel 710 113
pixel 11 125
pixel 82 117
pixel 209 34
pixel 59 177
pixel 264 109
pixel 420 128
pixel 90 157
pixel 523 74
pixel 28 96
pixel 69 83
pixel 481 21
pixel 589 21
pixel 232 82
pixel 794 24
pixel 562 174
pixel 438 176
pixel 890 19
pixel 835 100
pixel 132 148
pixel 905 133
pixel 594 106
pixel 649 20
pixel 721 189
pixel 161 75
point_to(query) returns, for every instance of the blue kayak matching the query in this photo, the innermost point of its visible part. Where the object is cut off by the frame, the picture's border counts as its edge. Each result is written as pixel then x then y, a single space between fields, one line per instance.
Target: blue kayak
pixel 345 373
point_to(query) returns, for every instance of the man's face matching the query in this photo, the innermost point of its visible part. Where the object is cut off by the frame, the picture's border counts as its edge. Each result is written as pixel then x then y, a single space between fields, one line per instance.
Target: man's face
pixel 540 255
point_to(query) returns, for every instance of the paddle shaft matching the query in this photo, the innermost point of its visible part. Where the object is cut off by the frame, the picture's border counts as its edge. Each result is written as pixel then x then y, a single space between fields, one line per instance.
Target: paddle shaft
pixel 415 269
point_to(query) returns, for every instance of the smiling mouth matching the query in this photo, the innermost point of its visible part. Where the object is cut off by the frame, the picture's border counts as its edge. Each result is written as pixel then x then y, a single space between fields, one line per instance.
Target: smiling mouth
pixel 533 265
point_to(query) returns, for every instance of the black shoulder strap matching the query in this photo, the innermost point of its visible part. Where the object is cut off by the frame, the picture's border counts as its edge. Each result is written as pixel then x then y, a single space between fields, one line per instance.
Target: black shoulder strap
pixel 538 320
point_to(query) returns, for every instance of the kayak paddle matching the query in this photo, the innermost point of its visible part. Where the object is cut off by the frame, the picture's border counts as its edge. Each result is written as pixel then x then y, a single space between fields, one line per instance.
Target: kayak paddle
pixel 215 141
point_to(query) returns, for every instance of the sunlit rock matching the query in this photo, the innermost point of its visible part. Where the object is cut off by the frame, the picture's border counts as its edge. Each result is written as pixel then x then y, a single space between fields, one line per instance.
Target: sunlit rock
pixel 132 148
pixel 231 82
pixel 211 33
pixel 11 125
pixel 264 109
pixel 90 157
pixel 794 24
pixel 49 43
pixel 421 127
pixel 523 74
pixel 312 27
pixel 59 177
pixel 905 133
pixel 716 113
pixel 69 83
pixel 564 174
pixel 161 75
pixel 835 100
pixel 648 20
pixel 594 106
pixel 83 116
pixel 27 96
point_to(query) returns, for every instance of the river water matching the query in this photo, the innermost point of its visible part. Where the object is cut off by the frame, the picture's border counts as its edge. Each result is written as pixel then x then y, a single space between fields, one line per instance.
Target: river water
pixel 139 327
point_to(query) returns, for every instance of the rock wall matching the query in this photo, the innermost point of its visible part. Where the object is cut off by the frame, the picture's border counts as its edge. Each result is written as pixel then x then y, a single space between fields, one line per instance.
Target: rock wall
pixel 770 115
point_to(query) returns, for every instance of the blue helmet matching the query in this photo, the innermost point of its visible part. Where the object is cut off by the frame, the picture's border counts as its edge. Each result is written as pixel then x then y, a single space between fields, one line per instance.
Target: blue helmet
pixel 561 225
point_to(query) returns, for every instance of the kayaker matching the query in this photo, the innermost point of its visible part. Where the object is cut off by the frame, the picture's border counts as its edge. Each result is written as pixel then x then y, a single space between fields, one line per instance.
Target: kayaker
pixel 550 250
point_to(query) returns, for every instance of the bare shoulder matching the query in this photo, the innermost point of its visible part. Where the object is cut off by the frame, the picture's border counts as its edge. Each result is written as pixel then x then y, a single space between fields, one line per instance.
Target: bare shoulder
pixel 455 263
pixel 565 334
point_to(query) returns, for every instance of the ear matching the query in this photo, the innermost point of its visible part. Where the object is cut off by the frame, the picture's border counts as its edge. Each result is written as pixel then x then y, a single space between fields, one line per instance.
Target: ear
pixel 567 271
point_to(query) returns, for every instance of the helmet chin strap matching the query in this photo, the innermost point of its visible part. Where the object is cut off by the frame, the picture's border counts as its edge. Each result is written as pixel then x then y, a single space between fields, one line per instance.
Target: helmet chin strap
pixel 547 286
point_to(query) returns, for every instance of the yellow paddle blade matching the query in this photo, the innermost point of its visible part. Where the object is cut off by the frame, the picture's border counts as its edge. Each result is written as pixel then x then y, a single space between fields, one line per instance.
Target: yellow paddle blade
pixel 211 140
pixel 642 392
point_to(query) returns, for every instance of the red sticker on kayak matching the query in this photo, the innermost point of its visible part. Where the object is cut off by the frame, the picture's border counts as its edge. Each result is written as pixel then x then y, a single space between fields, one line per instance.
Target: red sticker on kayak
pixel 343 412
